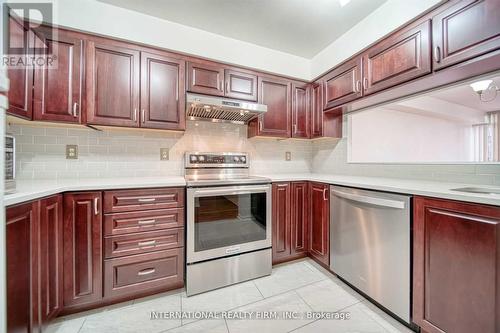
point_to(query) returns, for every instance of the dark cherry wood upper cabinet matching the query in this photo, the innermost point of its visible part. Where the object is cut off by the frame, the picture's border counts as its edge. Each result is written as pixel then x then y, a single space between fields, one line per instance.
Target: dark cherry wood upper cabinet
pixel 240 85
pixel 319 224
pixel 403 56
pixel 82 254
pixel 21 78
pixel 51 257
pixel 276 122
pixel 300 110
pixel 112 80
pixel 316 110
pixel 281 221
pixel 205 78
pixel 343 84
pixel 456 271
pixel 162 92
pixel 300 217
pixel 22 268
pixel 58 91
pixel 467 29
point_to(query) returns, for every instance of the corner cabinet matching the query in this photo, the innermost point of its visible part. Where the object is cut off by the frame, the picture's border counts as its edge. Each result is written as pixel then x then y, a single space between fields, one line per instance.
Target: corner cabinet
pixel 290 221
pixel 465 30
pixel 300 110
pixel 276 122
pixel 82 232
pixel 319 224
pixel 456 283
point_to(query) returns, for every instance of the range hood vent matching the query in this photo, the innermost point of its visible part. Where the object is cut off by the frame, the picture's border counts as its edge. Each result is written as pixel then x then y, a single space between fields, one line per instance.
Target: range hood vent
pixel 218 109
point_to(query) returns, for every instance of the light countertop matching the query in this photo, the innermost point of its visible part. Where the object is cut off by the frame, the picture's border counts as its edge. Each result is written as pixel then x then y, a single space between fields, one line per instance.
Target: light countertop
pixel 27 190
pixel 31 190
pixel 404 186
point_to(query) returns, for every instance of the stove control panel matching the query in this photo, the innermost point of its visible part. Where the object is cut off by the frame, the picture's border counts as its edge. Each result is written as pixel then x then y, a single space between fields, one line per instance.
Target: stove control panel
pixel 216 160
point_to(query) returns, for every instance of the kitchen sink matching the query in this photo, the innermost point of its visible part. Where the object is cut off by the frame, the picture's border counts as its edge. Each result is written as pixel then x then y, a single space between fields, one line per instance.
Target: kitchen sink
pixel 478 190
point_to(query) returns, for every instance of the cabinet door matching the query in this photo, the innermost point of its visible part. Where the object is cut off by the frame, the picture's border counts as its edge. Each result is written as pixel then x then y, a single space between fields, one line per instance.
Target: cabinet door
pixel 276 94
pixel 205 79
pixel 319 229
pixel 82 232
pixel 22 268
pixel 300 110
pixel 455 266
pixel 300 217
pixel 316 110
pixel 343 84
pixel 162 92
pixel 281 221
pixel 240 85
pixel 21 77
pixel 399 58
pixel 58 91
pixel 51 257
pixel 466 30
pixel 112 76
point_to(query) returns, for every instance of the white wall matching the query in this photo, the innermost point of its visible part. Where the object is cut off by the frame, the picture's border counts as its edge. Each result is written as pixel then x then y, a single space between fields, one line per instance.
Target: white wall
pixel 101 18
pixel 382 21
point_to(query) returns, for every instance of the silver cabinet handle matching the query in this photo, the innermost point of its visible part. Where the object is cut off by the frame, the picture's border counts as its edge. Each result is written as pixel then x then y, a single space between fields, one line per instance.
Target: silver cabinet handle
pixel 146 271
pixel 324 194
pixel 365 83
pixel 437 54
pixel 96 205
pixel 146 199
pixel 135 114
pixel 370 200
pixel 148 243
pixel 358 86
pixel 260 124
pixel 143 116
pixel 295 128
pixel 146 222
pixel 75 108
pixel 227 86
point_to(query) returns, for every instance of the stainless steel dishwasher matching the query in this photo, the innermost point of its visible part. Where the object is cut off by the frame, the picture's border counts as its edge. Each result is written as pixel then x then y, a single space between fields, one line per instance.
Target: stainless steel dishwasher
pixel 370 245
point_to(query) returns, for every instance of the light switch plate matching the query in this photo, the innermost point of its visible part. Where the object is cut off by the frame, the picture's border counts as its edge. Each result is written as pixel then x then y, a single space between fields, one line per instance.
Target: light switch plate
pixel 71 152
pixel 163 154
pixel 288 156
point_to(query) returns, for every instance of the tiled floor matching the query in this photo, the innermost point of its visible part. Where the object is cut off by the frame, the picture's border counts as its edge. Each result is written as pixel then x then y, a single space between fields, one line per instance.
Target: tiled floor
pixel 299 287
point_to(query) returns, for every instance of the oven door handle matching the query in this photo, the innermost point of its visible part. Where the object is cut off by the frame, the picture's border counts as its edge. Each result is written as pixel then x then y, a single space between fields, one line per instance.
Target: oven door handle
pixel 229 191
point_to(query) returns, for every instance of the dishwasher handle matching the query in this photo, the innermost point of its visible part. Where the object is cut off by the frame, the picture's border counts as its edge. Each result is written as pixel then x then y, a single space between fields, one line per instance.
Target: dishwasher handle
pixel 370 200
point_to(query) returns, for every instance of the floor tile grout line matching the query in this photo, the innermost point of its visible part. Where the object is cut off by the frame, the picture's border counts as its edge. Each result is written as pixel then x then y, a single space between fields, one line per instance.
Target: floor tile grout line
pixel 81 326
pixel 256 286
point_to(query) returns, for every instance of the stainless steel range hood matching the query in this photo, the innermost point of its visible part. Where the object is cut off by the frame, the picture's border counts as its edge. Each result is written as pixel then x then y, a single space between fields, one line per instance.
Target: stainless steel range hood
pixel 219 109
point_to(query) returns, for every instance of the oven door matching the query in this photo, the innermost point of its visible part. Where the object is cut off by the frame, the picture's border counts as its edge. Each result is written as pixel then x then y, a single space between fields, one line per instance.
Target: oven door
pixel 227 220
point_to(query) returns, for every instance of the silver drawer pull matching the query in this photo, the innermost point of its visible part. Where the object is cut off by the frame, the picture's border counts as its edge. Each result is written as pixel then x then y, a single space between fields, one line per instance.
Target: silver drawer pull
pixel 146 271
pixel 147 200
pixel 148 243
pixel 146 221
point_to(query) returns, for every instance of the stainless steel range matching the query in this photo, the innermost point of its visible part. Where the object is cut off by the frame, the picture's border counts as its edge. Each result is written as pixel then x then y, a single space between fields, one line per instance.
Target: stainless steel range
pixel 228 221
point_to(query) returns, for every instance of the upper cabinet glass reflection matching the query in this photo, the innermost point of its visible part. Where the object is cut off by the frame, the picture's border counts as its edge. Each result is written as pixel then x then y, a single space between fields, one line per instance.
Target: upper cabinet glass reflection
pixel 459 124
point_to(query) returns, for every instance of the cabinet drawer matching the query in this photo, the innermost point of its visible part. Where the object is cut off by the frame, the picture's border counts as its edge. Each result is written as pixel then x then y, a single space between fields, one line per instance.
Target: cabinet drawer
pixel 126 223
pixel 137 274
pixel 131 200
pixel 143 242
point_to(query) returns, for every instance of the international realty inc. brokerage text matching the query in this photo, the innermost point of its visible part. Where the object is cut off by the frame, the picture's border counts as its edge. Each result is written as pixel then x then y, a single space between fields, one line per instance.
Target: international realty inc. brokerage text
pixel 249 315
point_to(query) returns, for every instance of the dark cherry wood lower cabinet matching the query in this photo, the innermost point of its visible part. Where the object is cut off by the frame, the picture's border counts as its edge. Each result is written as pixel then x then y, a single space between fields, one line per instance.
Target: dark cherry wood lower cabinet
pixel 290 221
pixel 319 227
pixel 82 250
pixel 23 311
pixel 456 283
pixel 51 257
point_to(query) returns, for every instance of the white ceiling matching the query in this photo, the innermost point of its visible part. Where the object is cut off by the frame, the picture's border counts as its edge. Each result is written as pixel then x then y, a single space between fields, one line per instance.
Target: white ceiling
pixel 298 27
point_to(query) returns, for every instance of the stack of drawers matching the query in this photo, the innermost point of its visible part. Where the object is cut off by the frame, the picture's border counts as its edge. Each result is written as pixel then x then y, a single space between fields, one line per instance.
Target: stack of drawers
pixel 143 241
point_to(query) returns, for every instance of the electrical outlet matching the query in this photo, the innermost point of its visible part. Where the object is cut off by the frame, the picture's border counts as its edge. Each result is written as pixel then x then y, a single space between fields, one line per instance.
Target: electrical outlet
pixel 163 154
pixel 288 156
pixel 71 152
